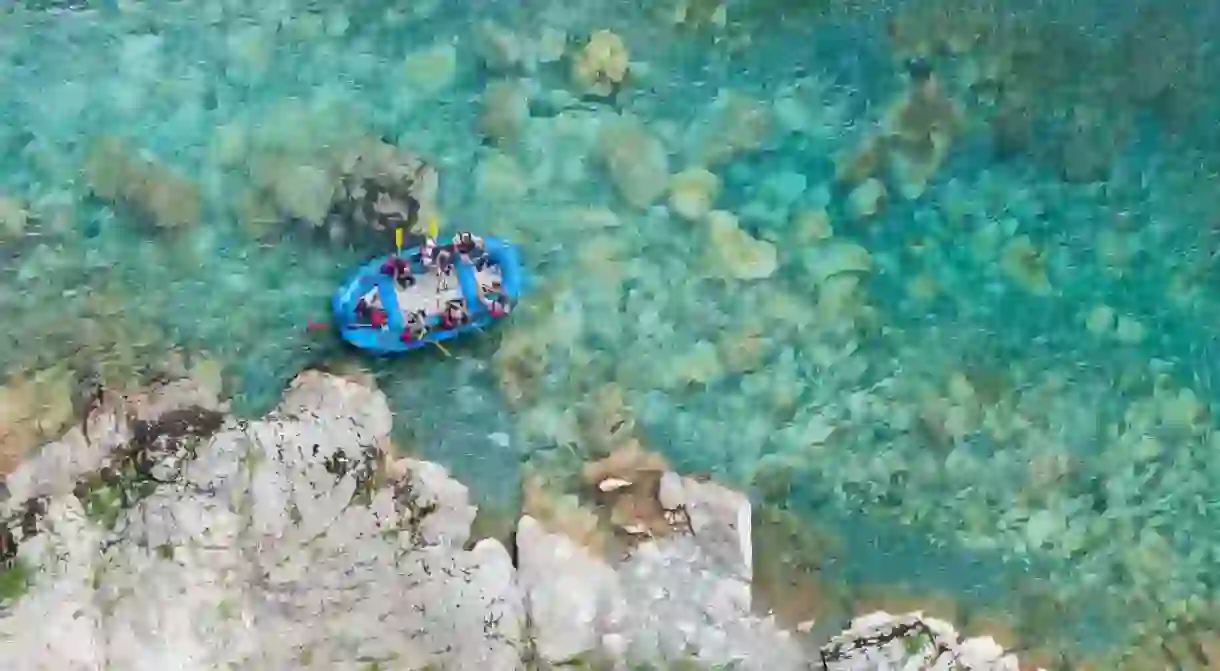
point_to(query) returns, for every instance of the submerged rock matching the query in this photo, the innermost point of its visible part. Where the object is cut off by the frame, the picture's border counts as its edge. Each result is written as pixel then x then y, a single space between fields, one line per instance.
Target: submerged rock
pixel 429 71
pixel 733 125
pixel 378 183
pixel 497 47
pixel 360 189
pixel 505 111
pixel 601 65
pixel 635 159
pixel 734 253
pixel 692 193
pixel 152 191
pixel 14 217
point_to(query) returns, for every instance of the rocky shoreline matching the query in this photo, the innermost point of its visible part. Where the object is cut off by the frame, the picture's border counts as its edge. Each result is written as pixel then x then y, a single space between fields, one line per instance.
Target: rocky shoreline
pixel 162 533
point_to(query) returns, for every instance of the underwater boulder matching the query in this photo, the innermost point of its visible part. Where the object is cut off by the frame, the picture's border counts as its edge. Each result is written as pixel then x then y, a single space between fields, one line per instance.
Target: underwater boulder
pixel 635 159
pixel 379 186
pixel 155 193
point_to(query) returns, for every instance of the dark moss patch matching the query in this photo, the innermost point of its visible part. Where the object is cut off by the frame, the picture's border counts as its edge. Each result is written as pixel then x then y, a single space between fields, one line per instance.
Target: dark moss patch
pixel 194 421
pixel 15 579
pixel 128 477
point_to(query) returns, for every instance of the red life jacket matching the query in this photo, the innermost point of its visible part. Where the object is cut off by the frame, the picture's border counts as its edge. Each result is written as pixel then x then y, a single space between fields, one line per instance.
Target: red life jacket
pixel 394 266
pixel 450 320
pixel 378 318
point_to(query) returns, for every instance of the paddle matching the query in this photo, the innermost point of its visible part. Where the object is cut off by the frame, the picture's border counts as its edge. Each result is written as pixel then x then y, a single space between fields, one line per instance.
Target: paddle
pixel 434 228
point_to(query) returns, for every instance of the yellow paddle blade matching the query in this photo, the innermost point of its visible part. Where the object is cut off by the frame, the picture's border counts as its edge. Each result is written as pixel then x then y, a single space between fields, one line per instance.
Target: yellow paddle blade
pixel 398 238
pixel 434 227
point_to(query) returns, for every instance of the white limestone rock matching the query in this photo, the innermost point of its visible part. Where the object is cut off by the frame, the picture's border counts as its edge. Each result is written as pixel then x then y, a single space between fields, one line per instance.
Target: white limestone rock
pixel 671 492
pixel 267 552
pixel 451 514
pixel 573 598
pixel 720 521
pixel 167 397
pixel 55 467
pixel 58 626
pixel 880 641
pixel 682 605
pixel 670 597
pixel 261 557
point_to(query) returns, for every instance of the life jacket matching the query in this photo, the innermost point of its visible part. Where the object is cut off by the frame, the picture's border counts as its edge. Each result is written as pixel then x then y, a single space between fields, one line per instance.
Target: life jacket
pixel 395 267
pixel 452 316
pixel 378 318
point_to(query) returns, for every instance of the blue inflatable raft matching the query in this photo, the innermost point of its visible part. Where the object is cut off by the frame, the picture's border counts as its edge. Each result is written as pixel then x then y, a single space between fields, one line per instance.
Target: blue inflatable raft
pixel 431 292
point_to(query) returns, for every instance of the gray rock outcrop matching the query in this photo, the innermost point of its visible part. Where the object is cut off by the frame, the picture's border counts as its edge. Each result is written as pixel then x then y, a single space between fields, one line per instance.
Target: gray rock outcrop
pixel 163 534
pixel 271 550
pixel 683 597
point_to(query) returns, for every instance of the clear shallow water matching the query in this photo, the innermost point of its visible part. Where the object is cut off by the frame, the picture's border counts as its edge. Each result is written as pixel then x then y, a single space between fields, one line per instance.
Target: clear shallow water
pixel 963 416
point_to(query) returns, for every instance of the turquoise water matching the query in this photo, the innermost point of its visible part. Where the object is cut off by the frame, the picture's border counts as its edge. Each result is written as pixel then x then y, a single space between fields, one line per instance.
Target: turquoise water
pixel 1007 401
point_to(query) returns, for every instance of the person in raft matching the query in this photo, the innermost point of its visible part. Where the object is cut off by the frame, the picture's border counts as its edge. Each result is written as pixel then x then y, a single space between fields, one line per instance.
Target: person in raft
pixel 428 252
pixel 370 312
pixel 495 300
pixel 431 255
pixel 471 249
pixel 443 262
pixel 400 269
pixel 454 314
pixel 417 327
pixel 435 256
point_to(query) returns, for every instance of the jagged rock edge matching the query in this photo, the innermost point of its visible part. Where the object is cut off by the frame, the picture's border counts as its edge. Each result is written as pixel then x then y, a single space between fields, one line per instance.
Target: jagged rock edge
pixel 147 443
